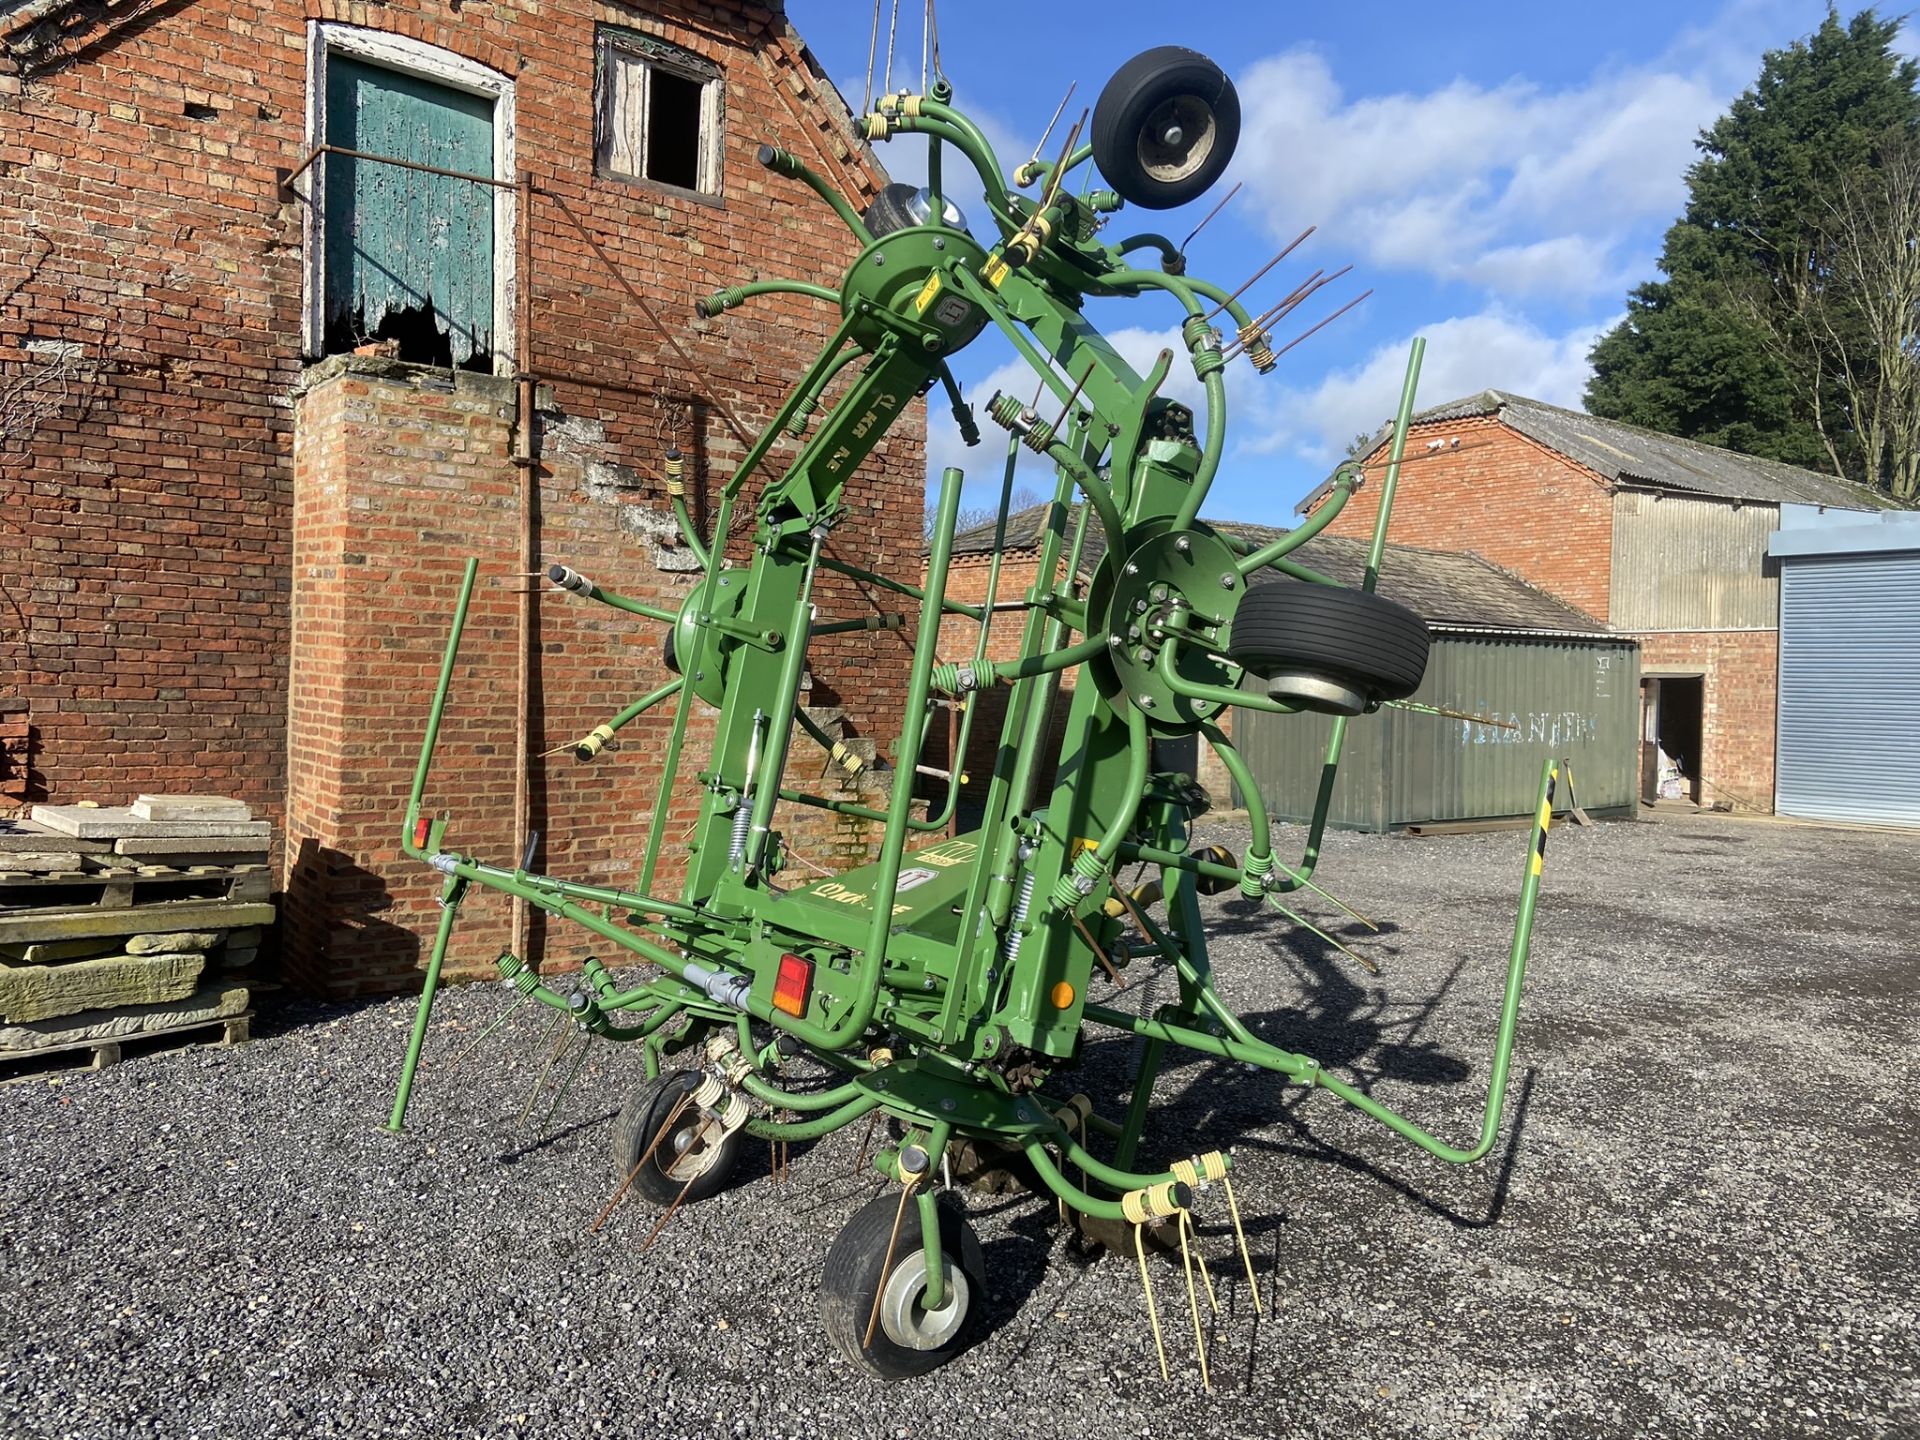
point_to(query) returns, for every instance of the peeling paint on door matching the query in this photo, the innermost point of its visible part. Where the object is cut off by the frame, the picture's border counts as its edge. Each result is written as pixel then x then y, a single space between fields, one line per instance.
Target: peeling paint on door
pixel 402 245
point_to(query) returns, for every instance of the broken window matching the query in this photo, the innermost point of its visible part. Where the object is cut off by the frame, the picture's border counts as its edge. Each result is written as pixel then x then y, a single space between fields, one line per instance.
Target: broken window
pixel 403 236
pixel 658 113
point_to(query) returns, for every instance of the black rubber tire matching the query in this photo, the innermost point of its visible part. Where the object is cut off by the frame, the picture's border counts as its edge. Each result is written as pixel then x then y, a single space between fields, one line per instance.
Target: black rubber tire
pixel 1139 92
pixel 851 1279
pixel 669 652
pixel 888 212
pixel 1371 644
pixel 640 1120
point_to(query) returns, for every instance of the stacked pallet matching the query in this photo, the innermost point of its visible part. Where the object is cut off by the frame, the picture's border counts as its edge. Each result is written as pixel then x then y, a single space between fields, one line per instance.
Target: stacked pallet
pixel 132 922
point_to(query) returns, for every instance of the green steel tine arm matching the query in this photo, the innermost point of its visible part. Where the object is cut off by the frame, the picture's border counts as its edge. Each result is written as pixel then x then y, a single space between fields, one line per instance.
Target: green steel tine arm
pixel 1309 1072
pixel 1509 1010
pixel 736 295
pixel 783 162
pixel 432 736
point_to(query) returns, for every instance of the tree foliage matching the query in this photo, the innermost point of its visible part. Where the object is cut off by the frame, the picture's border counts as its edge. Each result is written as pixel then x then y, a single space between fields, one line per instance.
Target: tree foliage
pixel 1767 335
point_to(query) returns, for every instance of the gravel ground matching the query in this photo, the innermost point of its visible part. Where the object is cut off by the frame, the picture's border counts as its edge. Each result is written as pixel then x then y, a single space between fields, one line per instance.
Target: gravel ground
pixel 1704 1223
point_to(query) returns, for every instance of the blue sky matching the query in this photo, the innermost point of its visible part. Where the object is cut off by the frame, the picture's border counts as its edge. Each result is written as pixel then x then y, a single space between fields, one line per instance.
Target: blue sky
pixel 1499 174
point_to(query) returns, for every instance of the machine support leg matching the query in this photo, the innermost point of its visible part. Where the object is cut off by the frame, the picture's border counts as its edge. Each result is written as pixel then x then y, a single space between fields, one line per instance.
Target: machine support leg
pixel 1151 1054
pixel 449 908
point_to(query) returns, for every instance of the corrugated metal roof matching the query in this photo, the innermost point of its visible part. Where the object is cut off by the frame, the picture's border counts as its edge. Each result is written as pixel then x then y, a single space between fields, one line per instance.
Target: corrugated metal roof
pixel 1449 591
pixel 1630 455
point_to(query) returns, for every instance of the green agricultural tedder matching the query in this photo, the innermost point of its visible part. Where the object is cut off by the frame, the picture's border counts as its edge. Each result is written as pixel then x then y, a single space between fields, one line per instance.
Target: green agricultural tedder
pixel 948 987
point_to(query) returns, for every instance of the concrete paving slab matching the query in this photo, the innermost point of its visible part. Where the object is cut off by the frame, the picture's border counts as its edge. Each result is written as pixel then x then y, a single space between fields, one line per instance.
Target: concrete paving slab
pixel 110 822
pixel 190 807
pixel 17 836
pixel 216 851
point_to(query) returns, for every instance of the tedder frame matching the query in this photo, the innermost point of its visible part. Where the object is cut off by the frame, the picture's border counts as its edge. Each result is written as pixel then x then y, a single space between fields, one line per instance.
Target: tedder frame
pixel 949 986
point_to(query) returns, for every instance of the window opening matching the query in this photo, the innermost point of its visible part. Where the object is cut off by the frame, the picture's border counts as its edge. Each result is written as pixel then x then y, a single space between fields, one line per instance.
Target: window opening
pixel 658 113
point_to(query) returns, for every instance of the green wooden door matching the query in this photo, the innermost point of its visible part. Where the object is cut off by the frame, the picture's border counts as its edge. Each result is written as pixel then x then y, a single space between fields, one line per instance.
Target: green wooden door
pixel 408 255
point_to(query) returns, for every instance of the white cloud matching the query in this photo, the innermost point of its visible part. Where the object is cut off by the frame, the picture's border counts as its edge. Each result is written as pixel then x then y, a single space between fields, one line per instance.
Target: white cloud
pixel 1514 187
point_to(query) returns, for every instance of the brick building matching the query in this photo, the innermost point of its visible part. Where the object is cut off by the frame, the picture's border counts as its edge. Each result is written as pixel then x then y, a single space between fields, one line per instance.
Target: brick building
pixel 1664 539
pixel 233 543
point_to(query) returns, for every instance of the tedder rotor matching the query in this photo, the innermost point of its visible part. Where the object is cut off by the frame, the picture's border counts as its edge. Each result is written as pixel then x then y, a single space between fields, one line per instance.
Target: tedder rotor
pixel 948 987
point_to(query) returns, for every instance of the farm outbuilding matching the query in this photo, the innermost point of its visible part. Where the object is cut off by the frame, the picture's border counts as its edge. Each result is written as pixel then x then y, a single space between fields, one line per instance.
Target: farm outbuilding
pixel 1849 652
pixel 1662 539
pixel 1503 651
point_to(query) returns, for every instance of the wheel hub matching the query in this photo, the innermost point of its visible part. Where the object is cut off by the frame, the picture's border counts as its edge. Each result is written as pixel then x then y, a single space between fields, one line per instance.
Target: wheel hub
pixel 909 1325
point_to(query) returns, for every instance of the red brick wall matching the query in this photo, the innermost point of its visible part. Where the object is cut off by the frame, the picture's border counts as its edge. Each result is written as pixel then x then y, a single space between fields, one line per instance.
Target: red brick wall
pixel 396 485
pixel 1549 520
pixel 1742 685
pixel 1503 497
pixel 145 594
pixel 145 604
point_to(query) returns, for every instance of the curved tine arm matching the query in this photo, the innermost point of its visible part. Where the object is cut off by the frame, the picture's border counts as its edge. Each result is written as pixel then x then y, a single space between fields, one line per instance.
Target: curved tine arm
pixel 784 162
pixel 735 295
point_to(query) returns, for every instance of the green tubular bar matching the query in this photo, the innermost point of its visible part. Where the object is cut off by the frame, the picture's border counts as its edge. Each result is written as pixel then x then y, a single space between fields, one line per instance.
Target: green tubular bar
pixel 1343 487
pixel 898 587
pixel 1308 1071
pixel 813 1129
pixel 689 532
pixel 626 717
pixel 432 737
pixel 783 162
pixel 1260 845
pixel 737 295
pixel 773 1095
pixel 1402 420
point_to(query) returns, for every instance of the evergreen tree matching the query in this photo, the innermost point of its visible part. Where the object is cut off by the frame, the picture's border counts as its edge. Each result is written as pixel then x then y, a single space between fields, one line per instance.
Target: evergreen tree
pixel 1709 352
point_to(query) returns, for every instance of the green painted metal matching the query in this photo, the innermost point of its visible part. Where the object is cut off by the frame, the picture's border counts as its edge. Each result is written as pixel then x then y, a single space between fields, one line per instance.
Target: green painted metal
pixel 948 981
pixel 399 239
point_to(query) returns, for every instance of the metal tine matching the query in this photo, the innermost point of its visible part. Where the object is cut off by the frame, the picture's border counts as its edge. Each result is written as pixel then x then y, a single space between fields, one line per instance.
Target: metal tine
pixel 1067 409
pixel 1308 925
pixel 1058 111
pixel 572 1075
pixel 545 1070
pixel 1329 895
pixel 1287 302
pixel 499 1020
pixel 1210 214
pixel 1060 165
pixel 1261 271
pixel 679 1106
pixel 1421 709
pixel 1323 324
pixel 1315 282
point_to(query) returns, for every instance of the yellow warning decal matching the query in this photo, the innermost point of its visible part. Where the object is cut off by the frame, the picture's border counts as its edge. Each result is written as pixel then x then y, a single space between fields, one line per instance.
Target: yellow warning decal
pixel 927 292
pixel 1081 844
pixel 997 269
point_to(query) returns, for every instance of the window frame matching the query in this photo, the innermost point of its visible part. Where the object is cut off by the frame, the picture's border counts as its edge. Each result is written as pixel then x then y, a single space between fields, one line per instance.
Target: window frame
pixel 652 53
pixel 441 67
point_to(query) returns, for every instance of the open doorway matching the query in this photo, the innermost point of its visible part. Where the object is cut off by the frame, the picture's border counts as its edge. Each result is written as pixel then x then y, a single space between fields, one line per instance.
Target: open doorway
pixel 1672 710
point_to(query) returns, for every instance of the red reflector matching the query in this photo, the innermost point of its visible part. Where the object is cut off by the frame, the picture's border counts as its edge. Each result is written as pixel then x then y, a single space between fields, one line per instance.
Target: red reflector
pixel 792 985
pixel 420 829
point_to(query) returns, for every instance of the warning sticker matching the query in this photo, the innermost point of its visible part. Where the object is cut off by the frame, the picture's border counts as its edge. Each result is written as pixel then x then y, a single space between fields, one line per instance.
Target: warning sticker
pixel 927 292
pixel 910 878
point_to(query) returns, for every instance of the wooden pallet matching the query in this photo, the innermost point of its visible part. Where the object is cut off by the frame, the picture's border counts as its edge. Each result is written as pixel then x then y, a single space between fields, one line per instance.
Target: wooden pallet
pixel 18 1065
pixel 129 886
